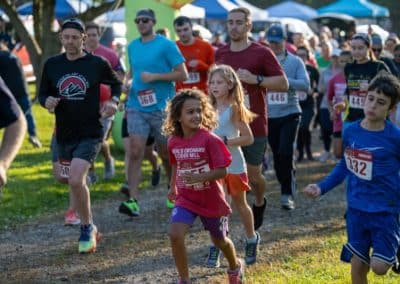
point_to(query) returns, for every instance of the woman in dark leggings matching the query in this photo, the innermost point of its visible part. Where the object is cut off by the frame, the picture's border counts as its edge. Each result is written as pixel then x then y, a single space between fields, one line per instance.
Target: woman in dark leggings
pixel 307 104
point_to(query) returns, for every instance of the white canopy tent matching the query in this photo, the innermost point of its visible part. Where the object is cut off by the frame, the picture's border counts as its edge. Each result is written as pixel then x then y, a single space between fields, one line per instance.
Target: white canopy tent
pixel 257 14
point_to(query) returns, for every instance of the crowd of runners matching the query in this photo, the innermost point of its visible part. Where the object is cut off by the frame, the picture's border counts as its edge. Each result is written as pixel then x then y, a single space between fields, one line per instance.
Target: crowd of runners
pixel 208 112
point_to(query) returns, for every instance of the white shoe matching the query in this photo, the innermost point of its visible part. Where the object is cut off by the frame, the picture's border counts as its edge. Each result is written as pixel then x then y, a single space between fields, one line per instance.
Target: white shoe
pixel 324 157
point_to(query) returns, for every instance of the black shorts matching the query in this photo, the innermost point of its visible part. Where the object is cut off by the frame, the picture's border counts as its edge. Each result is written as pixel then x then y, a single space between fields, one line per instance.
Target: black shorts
pixel 8 107
pixel 86 149
pixel 337 134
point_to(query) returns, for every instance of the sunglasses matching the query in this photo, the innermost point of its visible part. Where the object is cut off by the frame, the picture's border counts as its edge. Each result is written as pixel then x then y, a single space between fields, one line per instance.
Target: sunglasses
pixel 143 20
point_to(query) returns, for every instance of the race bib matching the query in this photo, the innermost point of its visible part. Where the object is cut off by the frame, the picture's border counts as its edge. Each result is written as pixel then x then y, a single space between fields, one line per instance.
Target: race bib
pixel 277 98
pixel 359 162
pixel 302 95
pixel 147 98
pixel 65 167
pixel 356 101
pixel 193 77
pixel 197 168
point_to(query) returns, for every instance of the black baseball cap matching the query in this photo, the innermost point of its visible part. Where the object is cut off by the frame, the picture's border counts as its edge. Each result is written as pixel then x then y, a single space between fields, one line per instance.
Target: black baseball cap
pixel 73 23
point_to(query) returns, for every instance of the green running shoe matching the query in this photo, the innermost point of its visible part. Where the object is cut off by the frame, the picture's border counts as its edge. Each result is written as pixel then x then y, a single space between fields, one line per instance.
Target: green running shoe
pixel 130 208
pixel 88 239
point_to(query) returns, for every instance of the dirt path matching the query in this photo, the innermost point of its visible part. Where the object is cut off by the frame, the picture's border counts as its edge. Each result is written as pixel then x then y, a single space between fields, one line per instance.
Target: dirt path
pixel 137 250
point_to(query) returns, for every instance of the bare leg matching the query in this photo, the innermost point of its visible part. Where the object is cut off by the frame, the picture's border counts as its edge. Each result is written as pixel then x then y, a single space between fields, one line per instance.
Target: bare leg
pixel 177 233
pixel 136 145
pixel 359 271
pixel 257 183
pixel 228 249
pixel 79 189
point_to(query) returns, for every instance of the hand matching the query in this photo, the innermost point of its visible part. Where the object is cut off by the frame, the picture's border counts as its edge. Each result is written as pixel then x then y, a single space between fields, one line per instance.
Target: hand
pixel 190 178
pixel 312 190
pixel 193 63
pixel 332 115
pixel 172 193
pixel 51 103
pixel 246 76
pixel 147 77
pixel 3 176
pixel 109 108
pixel 126 87
pixel 339 107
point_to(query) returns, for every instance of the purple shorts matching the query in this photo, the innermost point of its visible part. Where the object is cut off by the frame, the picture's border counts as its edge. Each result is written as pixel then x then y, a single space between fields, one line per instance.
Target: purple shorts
pixel 218 227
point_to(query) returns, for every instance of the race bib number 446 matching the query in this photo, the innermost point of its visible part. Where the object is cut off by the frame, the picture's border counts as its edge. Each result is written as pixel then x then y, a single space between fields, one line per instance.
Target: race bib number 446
pixel 277 98
pixel 359 162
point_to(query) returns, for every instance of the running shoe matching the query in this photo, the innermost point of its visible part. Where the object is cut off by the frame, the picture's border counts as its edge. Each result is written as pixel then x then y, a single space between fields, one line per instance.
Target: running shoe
pixel 70 218
pixel 124 189
pixel 88 239
pixel 237 276
pixel 258 213
pixel 93 177
pixel 130 208
pixel 34 140
pixel 251 250
pixel 170 204
pixel 109 169
pixel 324 157
pixel 287 202
pixel 213 257
pixel 155 176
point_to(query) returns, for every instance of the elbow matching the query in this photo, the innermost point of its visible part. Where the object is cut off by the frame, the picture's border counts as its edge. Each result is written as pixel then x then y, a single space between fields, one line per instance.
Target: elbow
pixel 184 76
pixel 283 84
pixel 249 141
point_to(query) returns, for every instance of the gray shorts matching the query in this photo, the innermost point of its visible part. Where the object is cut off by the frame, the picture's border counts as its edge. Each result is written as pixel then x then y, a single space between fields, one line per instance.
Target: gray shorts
pixel 86 149
pixel 146 123
pixel 254 153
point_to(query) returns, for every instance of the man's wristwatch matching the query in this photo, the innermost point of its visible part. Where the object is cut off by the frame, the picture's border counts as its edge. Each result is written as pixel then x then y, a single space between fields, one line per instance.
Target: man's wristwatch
pixel 260 79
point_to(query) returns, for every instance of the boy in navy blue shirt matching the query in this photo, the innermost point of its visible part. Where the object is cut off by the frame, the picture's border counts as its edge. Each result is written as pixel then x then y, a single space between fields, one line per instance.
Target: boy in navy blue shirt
pixel 371 164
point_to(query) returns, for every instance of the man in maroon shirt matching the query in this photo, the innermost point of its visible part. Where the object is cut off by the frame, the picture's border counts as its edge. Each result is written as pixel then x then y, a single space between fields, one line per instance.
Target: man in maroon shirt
pixel 258 70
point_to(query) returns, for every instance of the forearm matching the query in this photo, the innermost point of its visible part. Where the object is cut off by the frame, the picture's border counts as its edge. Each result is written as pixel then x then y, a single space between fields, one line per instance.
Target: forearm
pixel 212 175
pixel 12 141
pixel 240 141
pixel 335 178
pixel 299 84
pixel 275 83
pixel 175 75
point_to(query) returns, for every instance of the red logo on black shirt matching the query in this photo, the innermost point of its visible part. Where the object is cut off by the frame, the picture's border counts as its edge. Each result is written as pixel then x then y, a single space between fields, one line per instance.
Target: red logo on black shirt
pixel 72 86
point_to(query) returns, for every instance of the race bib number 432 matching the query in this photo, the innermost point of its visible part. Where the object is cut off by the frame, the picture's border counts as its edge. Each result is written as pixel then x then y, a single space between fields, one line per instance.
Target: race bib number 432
pixel 359 162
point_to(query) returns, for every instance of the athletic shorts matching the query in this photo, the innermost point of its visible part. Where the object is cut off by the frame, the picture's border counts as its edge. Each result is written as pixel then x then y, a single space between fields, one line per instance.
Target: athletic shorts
pixel 337 134
pixel 125 134
pixel 236 183
pixel 218 227
pixel 145 123
pixel 8 109
pixel 365 230
pixel 53 148
pixel 86 149
pixel 254 153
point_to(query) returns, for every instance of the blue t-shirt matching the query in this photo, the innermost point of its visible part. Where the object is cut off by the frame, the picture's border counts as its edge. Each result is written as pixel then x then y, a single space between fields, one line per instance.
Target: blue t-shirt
pixel 372 164
pixel 159 55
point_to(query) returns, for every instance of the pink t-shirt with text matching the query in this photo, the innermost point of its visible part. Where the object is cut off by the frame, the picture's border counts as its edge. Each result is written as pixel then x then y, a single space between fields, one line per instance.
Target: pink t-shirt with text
pixel 201 153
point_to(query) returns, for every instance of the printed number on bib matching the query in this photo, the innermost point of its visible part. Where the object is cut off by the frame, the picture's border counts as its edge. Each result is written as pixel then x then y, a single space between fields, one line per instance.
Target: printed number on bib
pixel 147 98
pixel 277 98
pixel 359 162
pixel 302 95
pixel 65 168
pixel 197 169
pixel 356 101
pixel 193 77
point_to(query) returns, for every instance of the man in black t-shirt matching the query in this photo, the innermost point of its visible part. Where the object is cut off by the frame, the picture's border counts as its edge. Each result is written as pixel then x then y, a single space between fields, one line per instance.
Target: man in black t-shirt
pixel 70 87
pixel 12 120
